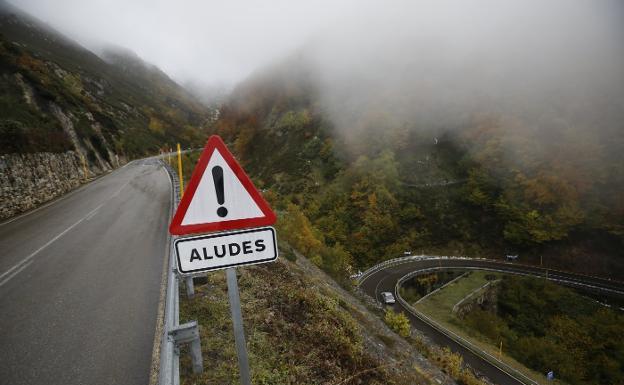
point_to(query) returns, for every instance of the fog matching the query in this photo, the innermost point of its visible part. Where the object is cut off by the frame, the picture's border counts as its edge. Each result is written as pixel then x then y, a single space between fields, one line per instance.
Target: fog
pixel 423 62
pixel 439 64
pixel 215 43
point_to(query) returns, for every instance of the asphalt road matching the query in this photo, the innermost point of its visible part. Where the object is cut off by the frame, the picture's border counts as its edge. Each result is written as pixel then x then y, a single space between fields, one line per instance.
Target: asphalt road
pixel 386 279
pixel 80 282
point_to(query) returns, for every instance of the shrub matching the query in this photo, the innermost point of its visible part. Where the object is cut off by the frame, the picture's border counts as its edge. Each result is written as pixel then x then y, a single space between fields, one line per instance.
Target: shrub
pixel 451 362
pixel 398 322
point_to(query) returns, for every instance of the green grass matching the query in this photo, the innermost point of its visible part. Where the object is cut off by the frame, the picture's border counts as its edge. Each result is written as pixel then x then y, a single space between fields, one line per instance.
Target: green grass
pixel 440 304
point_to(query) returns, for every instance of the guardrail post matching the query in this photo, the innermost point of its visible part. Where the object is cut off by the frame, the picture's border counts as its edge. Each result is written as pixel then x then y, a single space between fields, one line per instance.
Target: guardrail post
pixel 190 287
pixel 188 333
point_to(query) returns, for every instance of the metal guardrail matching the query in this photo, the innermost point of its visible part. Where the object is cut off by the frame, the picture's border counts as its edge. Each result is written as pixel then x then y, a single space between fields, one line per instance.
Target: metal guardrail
pixel 518 376
pixel 546 270
pixel 510 371
pixel 174 334
pixel 400 261
pixel 451 335
pixel 169 353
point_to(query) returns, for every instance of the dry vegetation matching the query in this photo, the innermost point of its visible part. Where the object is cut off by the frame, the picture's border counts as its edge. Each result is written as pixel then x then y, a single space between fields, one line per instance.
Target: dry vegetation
pixel 297 333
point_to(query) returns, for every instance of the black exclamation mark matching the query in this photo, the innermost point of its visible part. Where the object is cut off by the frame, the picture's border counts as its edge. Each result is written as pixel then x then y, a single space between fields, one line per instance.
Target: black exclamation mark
pixel 217 176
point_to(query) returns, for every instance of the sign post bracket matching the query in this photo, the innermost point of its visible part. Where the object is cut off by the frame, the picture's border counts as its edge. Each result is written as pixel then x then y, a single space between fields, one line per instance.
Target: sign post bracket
pixel 188 333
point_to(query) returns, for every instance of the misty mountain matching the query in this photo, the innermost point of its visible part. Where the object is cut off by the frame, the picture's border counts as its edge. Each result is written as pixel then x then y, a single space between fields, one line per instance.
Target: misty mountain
pixel 58 96
pixel 361 181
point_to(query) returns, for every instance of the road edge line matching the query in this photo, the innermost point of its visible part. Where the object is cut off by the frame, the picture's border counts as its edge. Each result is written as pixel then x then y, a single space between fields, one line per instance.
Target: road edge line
pixel 32 255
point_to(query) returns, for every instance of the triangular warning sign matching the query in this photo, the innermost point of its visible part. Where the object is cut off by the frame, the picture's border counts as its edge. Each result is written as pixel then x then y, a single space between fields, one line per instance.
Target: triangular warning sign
pixel 219 196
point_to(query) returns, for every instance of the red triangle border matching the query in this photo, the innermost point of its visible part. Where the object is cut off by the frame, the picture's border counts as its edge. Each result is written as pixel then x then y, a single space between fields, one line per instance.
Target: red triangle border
pixel 216 143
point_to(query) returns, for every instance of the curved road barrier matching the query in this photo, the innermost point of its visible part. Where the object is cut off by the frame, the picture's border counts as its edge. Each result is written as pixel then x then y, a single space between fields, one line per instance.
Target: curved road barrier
pixel 391 274
pixel 169 371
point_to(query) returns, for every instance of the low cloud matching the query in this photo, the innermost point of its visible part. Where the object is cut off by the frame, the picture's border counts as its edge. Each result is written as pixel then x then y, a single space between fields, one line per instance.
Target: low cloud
pixel 428 63
pixel 438 64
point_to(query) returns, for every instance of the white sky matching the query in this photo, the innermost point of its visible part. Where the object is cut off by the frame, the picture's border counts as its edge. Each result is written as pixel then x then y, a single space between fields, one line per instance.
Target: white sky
pixel 396 43
pixel 214 42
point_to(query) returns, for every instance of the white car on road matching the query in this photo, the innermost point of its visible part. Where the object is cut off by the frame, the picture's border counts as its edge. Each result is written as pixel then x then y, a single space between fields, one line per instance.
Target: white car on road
pixel 387 297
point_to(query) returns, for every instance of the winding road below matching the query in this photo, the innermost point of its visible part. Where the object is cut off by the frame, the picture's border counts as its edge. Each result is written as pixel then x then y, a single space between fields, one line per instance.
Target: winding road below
pixel 388 275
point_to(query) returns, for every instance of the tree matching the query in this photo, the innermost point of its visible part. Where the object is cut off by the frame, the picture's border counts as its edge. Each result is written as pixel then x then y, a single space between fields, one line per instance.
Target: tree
pixel 297 229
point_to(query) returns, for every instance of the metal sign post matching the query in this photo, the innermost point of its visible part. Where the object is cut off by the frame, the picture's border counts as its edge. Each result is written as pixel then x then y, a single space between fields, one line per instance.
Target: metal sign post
pixel 237 320
pixel 222 200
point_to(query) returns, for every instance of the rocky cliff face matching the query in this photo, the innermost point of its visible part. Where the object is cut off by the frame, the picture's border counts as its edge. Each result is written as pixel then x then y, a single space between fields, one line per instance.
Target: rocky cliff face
pixel 29 180
pixel 57 96
pixel 67 115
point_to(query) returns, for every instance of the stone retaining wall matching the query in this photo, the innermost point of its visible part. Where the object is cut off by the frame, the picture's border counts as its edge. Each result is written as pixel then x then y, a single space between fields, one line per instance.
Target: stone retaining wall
pixel 29 180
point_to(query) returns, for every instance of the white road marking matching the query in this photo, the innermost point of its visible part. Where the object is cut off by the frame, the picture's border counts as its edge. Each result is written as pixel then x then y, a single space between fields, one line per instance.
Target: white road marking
pixel 7 279
pixel 91 215
pixel 121 188
pixel 12 272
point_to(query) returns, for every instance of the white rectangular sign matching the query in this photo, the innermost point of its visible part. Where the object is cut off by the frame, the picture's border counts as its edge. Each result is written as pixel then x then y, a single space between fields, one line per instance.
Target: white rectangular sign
pixel 223 250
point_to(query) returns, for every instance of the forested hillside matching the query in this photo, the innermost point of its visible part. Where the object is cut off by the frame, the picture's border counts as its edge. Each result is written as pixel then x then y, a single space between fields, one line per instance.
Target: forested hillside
pixel 544 326
pixel 483 186
pixel 56 96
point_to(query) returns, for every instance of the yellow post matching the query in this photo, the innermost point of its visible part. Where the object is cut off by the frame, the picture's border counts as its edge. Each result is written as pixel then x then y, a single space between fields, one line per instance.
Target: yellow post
pixel 500 351
pixel 84 166
pixel 180 171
